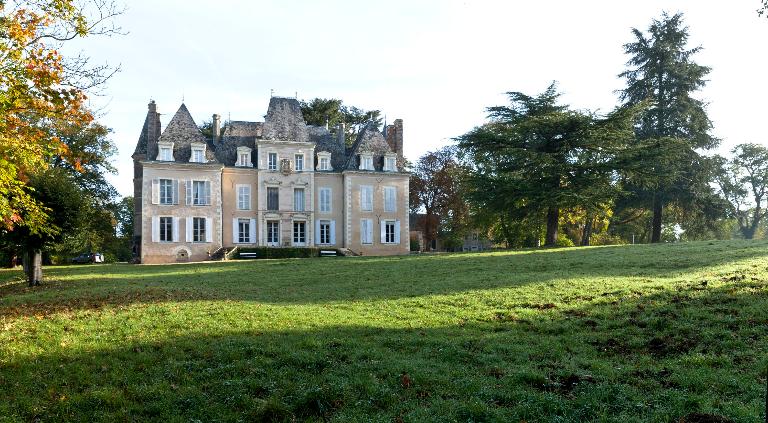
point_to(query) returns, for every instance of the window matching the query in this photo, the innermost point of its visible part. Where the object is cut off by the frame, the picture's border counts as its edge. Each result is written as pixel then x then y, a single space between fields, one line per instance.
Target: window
pixel 298 160
pixel 244 159
pixel 199 193
pixel 272 198
pixel 272 161
pixel 244 231
pixel 298 199
pixel 166 154
pixel 366 162
pixel 390 163
pixel 325 200
pixel 243 197
pixel 198 156
pixel 166 191
pixel 366 231
pixel 325 163
pixel 273 232
pixel 166 229
pixel 198 229
pixel 389 232
pixel 299 233
pixel 324 236
pixel 390 198
pixel 366 198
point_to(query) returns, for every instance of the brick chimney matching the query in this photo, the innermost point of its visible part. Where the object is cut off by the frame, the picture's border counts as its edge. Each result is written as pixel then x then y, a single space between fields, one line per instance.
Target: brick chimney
pixel 395 137
pixel 216 127
pixel 340 140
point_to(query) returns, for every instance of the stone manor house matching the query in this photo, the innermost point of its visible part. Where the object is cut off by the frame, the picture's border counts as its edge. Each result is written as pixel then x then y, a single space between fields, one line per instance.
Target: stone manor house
pixel 277 183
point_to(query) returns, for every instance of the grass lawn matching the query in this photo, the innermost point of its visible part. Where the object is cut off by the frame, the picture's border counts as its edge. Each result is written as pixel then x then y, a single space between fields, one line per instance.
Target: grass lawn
pixel 609 334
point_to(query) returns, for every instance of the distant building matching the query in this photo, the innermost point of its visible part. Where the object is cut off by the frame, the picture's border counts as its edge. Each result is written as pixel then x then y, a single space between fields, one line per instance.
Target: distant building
pixel 474 240
pixel 277 183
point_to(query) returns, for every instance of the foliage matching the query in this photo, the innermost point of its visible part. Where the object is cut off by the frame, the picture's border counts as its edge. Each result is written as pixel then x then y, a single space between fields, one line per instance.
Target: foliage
pixel 537 156
pixel 39 88
pixel 675 125
pixel 331 112
pixel 642 333
pixel 743 183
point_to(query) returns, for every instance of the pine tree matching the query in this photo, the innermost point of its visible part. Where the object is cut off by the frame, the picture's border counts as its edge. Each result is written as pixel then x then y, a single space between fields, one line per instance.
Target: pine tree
pixel 661 71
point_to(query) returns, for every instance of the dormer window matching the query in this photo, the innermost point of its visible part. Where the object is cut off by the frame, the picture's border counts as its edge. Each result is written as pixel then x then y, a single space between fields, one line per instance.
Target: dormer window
pixel 298 162
pixel 366 161
pixel 198 153
pixel 165 151
pixel 244 157
pixel 272 161
pixel 390 163
pixel 324 161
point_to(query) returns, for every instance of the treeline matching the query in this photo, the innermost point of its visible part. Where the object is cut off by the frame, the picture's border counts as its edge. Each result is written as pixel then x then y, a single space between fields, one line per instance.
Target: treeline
pixel 540 172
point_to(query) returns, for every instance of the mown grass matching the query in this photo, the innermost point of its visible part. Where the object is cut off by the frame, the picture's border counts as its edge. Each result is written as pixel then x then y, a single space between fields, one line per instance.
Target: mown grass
pixel 614 334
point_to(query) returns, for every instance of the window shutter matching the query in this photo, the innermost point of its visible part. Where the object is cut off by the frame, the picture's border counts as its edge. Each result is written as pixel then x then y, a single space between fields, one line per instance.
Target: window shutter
pixel 155 228
pixel 235 230
pixel 155 191
pixel 175 194
pixel 252 231
pixel 317 231
pixel 363 230
pixel 333 232
pixel 188 191
pixel 370 231
pixel 175 234
pixel 188 225
pixel 397 232
pixel 208 229
pixel 383 238
pixel 207 193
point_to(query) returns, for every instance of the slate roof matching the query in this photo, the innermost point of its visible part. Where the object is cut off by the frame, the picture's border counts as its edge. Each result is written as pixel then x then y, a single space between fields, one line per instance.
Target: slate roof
pixel 283 122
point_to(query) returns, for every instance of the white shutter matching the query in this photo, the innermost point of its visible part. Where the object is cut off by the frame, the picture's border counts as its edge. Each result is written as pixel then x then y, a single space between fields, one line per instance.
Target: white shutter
pixel 397 232
pixel 188 225
pixel 208 229
pixel 207 193
pixel 175 234
pixel 155 191
pixel 383 238
pixel 333 232
pixel 155 228
pixel 370 231
pixel 318 239
pixel 188 192
pixel 363 229
pixel 252 231
pixel 175 195
pixel 235 230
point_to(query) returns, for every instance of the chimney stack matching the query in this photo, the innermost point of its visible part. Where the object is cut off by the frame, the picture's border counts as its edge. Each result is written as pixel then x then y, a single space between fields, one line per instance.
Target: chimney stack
pixel 340 136
pixel 216 127
pixel 395 136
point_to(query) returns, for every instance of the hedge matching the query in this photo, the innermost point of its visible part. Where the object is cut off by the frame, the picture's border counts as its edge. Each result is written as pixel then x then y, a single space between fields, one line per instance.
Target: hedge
pixel 273 253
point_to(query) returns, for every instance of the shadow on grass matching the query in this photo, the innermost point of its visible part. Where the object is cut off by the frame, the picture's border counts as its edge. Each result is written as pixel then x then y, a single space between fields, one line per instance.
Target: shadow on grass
pixel 316 281
pixel 628 357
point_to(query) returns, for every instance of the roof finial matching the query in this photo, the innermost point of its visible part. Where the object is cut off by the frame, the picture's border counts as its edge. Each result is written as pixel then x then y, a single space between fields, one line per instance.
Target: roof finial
pixel 182 97
pixel 271 92
pixel 296 95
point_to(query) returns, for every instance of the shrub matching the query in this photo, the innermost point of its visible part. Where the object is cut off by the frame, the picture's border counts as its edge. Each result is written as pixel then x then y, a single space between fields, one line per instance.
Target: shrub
pixel 563 241
pixel 275 253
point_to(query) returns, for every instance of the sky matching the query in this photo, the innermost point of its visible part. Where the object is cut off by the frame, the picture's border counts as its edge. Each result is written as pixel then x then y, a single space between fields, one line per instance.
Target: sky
pixel 435 64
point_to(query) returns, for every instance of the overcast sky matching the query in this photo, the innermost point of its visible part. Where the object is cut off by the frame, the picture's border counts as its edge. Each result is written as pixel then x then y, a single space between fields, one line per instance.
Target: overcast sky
pixel 435 64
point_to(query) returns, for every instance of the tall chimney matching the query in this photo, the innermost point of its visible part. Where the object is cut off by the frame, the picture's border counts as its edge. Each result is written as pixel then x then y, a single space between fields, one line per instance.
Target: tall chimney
pixel 216 127
pixel 395 137
pixel 340 136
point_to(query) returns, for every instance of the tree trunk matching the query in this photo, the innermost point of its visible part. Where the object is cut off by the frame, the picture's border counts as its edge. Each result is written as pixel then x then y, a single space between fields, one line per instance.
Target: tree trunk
pixel 33 266
pixel 658 207
pixel 587 233
pixel 553 218
pixel 428 230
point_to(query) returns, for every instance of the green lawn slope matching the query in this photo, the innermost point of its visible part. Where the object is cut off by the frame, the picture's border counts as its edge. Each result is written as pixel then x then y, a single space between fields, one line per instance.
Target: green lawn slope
pixel 609 334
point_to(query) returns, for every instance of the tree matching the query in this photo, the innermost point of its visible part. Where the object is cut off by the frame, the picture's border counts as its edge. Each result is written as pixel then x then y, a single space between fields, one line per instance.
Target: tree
pixel 434 187
pixel 743 182
pixel 763 8
pixel 661 71
pixel 39 90
pixel 331 112
pixel 537 157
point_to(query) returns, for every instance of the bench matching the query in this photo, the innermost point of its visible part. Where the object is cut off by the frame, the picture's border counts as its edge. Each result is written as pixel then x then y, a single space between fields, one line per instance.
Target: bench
pixel 328 253
pixel 248 255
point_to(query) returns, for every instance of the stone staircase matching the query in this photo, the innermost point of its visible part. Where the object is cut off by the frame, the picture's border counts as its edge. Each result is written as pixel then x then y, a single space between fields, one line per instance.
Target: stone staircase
pixel 221 254
pixel 346 252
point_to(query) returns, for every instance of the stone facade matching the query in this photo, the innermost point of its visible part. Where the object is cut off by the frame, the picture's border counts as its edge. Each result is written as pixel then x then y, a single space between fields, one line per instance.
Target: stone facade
pixel 278 183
